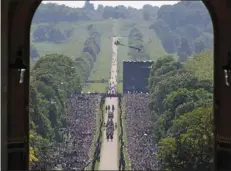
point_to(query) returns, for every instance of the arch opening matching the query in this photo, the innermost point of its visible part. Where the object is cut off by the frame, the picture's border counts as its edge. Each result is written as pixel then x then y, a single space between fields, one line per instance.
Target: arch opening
pixel 161 111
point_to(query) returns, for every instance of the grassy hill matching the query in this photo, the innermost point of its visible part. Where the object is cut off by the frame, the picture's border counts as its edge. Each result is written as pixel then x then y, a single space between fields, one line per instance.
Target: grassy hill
pixel 161 33
pixel 73 46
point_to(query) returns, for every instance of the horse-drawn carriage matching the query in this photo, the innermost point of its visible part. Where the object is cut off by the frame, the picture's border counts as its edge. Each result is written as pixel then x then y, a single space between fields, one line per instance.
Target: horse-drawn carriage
pixel 110 123
pixel 110 129
pixel 109 133
pixel 110 115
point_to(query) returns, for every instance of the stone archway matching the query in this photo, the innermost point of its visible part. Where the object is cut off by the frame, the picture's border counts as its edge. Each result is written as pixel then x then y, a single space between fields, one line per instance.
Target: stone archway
pixel 18 17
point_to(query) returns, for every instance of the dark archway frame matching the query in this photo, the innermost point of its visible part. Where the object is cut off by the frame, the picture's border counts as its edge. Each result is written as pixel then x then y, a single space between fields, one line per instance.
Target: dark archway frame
pixel 18 15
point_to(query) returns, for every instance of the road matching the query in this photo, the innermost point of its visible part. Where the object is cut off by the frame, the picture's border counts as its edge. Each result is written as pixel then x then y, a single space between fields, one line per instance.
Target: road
pixel 109 156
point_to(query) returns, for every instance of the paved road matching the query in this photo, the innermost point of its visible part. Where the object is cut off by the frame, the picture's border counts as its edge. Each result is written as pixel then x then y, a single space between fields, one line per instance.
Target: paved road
pixel 109 157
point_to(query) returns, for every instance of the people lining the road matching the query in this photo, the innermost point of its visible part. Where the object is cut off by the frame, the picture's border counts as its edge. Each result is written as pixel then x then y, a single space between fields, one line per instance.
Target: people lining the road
pixel 82 126
pixel 141 148
pixel 73 153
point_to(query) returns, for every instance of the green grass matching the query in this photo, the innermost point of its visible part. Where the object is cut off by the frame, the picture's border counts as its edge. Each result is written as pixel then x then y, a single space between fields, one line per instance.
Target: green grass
pixel 201 65
pixel 122 55
pixel 121 27
pixel 99 119
pixel 120 87
pixel 102 137
pixel 152 44
pixel 95 88
pixel 96 134
pixel 127 161
pixel 103 64
pixel 118 132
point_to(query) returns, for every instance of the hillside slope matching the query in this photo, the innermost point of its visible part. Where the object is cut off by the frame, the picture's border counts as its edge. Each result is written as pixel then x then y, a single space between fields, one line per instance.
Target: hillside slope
pixel 63 30
pixel 73 46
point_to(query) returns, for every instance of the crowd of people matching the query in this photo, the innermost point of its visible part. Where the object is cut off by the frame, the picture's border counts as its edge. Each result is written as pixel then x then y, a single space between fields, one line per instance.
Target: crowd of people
pixel 82 124
pixel 74 152
pixel 110 123
pixel 141 148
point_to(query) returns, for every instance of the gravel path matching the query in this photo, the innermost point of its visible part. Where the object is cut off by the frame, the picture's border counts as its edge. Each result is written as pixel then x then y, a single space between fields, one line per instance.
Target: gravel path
pixel 109 152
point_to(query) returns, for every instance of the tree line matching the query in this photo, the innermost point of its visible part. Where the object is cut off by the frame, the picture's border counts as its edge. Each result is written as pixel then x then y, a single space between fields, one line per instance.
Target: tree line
pixel 181 106
pixel 90 52
pixel 49 33
pixel 54 78
pixel 53 13
pixel 33 52
pixel 184 28
pixel 135 40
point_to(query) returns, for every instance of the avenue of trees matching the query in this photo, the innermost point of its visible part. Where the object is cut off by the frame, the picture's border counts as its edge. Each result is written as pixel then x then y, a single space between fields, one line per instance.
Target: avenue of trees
pixel 135 39
pixel 57 13
pixel 90 52
pixel 184 28
pixel 181 105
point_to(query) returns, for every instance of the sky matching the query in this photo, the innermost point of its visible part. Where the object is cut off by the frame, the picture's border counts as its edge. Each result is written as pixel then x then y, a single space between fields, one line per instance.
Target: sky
pixel 134 4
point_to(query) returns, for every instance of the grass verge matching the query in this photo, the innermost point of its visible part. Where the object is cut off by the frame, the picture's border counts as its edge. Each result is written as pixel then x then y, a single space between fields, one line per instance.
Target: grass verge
pixel 126 158
pixel 102 136
pixel 99 119
pixel 118 131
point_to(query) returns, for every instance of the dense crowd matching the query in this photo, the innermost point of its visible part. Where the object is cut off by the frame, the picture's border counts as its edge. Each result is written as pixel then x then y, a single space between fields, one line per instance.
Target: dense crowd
pixel 74 152
pixel 82 124
pixel 141 148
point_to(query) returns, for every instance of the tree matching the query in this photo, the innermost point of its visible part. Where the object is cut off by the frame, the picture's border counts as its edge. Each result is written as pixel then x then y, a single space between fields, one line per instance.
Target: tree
pixel 88 6
pixel 48 73
pixel 199 45
pixel 185 50
pixel 135 39
pixel 192 147
pixel 187 20
pixel 55 35
pixel 149 12
pixel 33 52
pixel 181 105
pixel 40 34
pixel 169 42
pixel 32 152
